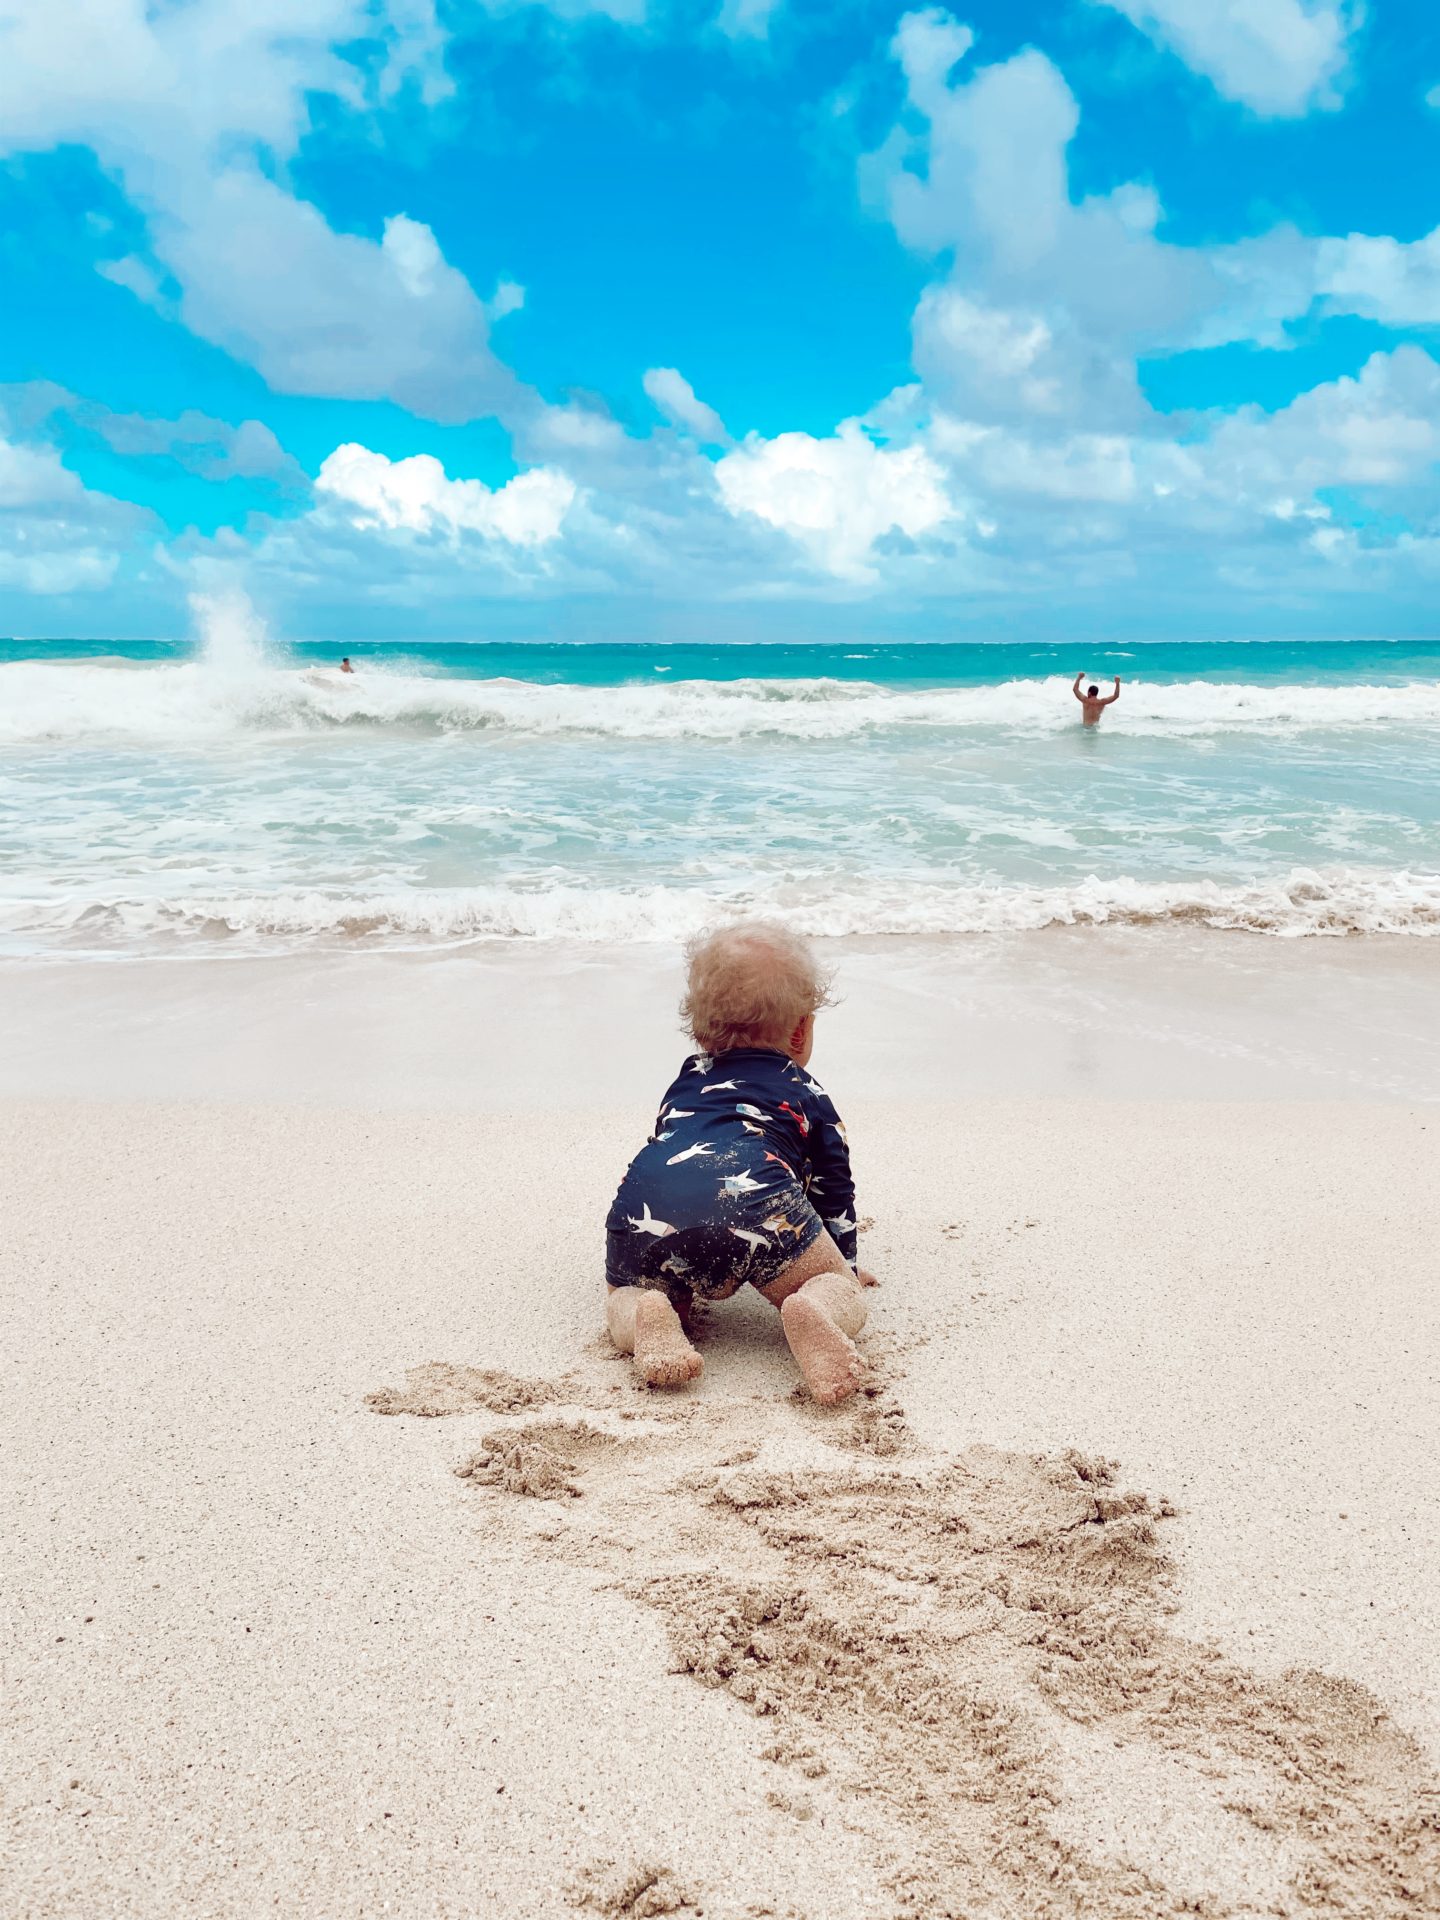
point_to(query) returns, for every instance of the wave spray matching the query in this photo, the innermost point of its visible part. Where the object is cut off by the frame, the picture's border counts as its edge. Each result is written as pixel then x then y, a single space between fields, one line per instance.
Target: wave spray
pixel 232 637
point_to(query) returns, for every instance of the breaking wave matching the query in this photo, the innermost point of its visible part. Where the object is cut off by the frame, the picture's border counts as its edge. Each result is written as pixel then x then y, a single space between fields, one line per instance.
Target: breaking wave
pixel 70 702
pixel 1302 903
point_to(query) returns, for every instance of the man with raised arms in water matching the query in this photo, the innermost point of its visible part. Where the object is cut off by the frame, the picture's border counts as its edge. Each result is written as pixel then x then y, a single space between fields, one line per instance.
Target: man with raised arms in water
pixel 1091 702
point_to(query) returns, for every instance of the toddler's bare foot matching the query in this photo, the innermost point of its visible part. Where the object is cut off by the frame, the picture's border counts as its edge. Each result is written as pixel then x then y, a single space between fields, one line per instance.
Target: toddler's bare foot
pixel 827 1357
pixel 663 1356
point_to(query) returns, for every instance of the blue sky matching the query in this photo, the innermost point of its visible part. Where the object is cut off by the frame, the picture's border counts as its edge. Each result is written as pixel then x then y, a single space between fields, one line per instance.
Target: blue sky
pixel 658 320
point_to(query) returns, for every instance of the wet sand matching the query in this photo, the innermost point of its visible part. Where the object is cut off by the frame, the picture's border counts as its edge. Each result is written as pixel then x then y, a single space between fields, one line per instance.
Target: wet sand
pixel 271 1649
pixel 1083 1013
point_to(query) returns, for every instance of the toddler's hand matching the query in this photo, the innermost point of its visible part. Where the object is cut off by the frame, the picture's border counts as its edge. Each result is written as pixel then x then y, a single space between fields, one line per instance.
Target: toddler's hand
pixel 865 1277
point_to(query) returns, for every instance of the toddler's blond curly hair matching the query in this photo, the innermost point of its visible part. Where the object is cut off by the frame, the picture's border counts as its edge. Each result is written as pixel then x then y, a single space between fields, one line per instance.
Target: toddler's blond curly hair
pixel 750 984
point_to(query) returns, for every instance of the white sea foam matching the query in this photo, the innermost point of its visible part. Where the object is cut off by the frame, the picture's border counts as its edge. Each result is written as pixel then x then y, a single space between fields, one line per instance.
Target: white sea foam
pixel 237 693
pixel 241 802
pixel 234 641
pixel 1302 903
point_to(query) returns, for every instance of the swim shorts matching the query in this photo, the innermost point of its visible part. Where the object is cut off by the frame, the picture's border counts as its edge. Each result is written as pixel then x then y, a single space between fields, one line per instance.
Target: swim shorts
pixel 715 1259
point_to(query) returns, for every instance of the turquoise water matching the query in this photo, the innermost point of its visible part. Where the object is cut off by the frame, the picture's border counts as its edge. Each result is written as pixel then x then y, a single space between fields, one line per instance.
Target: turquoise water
pixel 247 796
pixel 911 664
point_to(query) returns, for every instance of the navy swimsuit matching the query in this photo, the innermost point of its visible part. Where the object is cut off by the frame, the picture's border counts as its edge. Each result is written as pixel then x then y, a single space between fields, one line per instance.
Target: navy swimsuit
pixel 747 1166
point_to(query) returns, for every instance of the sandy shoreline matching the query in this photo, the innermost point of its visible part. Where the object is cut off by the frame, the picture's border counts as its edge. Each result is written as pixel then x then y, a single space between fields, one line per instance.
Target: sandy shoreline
pixel 1073 1013
pixel 293 1662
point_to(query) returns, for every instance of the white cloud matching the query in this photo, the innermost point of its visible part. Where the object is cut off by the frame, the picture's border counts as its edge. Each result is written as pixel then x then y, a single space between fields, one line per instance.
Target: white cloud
pixel 747 19
pixel 1432 98
pixel 56 535
pixel 1377 429
pixel 1395 281
pixel 195 76
pixel 508 297
pixel 577 430
pixel 995 156
pixel 321 312
pixel 1241 483
pixel 928 45
pixel 1050 300
pixel 653 527
pixel 136 276
pixel 51 572
pixel 1015 363
pixel 214 449
pixel 835 497
pixel 627 13
pixel 417 496
pixel 996 462
pixel 673 394
pixel 988 183
pixel 197 109
pixel 33 477
pixel 1025 434
pixel 1035 510
pixel 413 254
pixel 1278 57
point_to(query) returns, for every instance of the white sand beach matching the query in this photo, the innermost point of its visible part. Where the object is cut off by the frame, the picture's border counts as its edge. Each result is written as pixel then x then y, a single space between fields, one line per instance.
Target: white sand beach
pixel 495 501
pixel 267 1652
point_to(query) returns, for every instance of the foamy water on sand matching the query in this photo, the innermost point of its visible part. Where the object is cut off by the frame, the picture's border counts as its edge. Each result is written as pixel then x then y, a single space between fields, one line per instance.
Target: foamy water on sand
pixel 251 796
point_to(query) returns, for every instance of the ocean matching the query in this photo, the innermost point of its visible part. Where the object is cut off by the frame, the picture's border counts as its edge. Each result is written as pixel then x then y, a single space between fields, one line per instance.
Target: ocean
pixel 243 796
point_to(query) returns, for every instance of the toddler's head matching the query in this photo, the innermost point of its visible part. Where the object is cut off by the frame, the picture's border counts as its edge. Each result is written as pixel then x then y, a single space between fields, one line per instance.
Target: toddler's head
pixel 753 984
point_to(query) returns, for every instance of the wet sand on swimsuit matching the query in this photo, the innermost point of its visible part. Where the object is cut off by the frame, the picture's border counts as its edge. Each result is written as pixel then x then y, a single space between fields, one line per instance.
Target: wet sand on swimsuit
pixel 349 1574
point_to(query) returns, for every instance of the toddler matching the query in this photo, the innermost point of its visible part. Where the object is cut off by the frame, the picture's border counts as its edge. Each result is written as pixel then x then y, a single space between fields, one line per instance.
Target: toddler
pixel 746 1176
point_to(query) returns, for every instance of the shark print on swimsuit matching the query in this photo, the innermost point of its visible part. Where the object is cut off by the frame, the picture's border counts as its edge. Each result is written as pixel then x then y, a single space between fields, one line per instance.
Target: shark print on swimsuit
pixel 754 1239
pixel 645 1224
pixel 728 1187
pixel 741 1183
pixel 688 1153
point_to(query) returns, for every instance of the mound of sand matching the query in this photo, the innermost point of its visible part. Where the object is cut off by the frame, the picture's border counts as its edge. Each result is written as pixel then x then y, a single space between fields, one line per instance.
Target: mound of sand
pixel 437 1389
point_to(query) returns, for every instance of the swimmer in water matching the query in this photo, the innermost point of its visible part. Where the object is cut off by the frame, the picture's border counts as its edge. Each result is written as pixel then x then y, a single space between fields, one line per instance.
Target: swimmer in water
pixel 1091 702
pixel 345 667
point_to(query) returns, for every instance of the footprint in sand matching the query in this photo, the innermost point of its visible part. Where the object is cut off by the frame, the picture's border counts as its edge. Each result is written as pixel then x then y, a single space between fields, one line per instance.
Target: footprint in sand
pixel 636 1892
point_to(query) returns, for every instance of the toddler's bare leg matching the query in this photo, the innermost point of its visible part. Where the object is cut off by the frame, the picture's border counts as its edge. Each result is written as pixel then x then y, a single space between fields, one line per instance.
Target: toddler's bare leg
pixel 643 1323
pixel 822 1308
